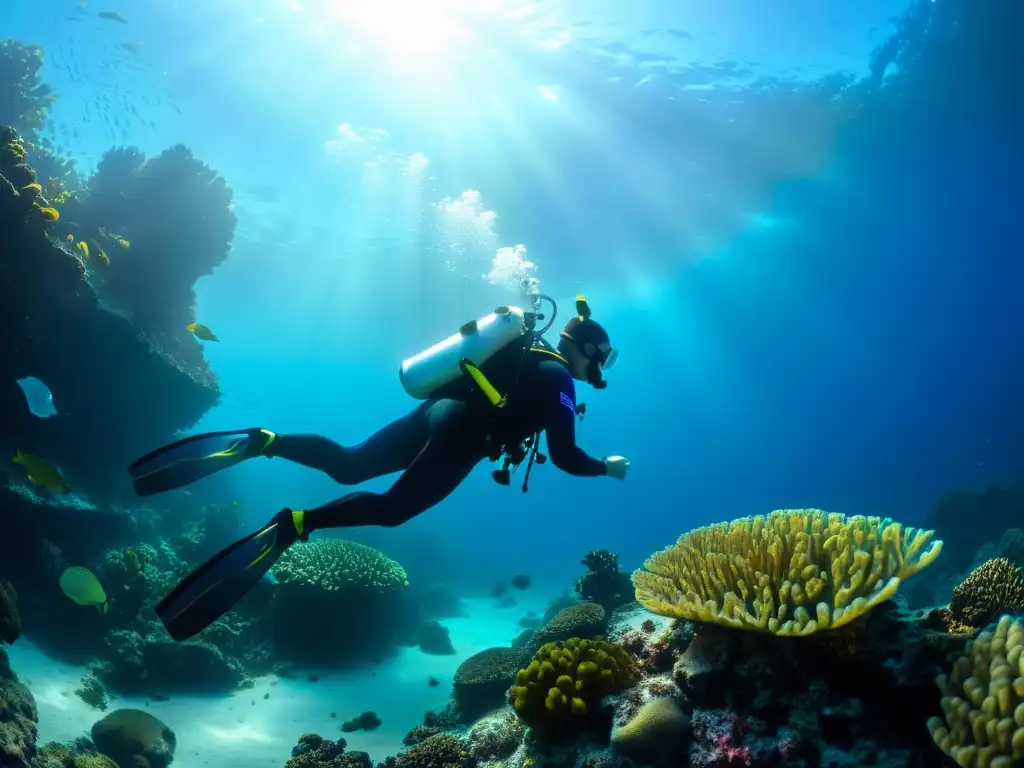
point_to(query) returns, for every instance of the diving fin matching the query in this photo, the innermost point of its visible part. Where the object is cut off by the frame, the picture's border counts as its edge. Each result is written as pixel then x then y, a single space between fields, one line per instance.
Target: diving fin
pixel 213 588
pixel 195 457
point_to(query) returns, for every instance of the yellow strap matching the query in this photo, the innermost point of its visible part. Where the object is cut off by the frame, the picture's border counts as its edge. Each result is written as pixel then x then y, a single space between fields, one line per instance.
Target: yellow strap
pixel 482 383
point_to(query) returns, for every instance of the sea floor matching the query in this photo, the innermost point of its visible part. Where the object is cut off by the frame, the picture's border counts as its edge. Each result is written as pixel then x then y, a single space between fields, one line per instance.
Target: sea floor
pixel 259 726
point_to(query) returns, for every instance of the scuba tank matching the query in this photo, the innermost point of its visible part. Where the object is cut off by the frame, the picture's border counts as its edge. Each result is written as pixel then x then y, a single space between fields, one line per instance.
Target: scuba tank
pixel 452 368
pixel 476 342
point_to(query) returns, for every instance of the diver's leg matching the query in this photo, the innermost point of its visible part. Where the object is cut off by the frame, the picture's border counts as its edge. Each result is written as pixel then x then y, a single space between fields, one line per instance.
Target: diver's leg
pixel 391 449
pixel 457 442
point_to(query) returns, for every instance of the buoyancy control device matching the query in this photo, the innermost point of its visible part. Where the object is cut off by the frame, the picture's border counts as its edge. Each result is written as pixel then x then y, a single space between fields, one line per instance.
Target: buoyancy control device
pixel 455 367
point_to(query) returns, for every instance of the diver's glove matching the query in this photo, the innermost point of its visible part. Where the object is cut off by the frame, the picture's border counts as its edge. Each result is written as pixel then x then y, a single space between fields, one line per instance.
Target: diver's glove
pixel 617 466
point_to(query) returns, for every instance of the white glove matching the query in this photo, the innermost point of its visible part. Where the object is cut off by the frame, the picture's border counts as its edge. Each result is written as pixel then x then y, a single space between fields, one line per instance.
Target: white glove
pixel 618 467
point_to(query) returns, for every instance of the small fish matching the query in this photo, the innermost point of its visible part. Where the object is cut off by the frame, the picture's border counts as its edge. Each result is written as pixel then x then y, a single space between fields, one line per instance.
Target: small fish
pixel 50 214
pixel 82 587
pixel 41 472
pixel 113 16
pixel 200 331
pixel 38 397
pixel 124 243
pixel 84 248
pixel 70 238
pixel 104 259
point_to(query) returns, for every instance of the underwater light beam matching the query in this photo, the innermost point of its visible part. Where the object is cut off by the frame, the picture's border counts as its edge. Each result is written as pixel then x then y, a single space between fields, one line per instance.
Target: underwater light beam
pixel 415 30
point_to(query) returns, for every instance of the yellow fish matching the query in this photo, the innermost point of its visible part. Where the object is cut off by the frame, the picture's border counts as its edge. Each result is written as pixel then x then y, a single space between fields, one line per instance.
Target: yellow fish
pixel 50 214
pixel 104 258
pixel 124 243
pixel 70 238
pixel 200 331
pixel 81 586
pixel 84 248
pixel 41 472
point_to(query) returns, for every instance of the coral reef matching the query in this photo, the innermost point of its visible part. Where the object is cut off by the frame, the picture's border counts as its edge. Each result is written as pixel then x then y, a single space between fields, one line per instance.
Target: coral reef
pixel 18 718
pixel 25 100
pixel 604 583
pixel 495 737
pixel 164 222
pixel 435 639
pixel 92 692
pixel 759 572
pixel 155 664
pixel 103 375
pixel 983 700
pixel 562 687
pixel 10 621
pixel 578 620
pixel 481 680
pixel 79 754
pixel 367 721
pixel 339 602
pixel 313 751
pixel 444 750
pixel 991 588
pixel 126 735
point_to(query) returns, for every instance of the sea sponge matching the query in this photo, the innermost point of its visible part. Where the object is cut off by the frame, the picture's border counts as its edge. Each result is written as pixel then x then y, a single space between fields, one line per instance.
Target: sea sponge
pixel 657 727
pixel 983 701
pixel 991 588
pixel 565 682
pixel 794 572
pixel 337 565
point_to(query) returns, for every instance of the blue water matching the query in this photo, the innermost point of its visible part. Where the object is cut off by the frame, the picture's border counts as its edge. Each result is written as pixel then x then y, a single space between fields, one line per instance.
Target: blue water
pixel 815 303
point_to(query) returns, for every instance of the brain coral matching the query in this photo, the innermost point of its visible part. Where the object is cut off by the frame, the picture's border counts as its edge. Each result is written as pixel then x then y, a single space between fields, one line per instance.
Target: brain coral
pixel 994 586
pixel 983 701
pixel 793 572
pixel 337 565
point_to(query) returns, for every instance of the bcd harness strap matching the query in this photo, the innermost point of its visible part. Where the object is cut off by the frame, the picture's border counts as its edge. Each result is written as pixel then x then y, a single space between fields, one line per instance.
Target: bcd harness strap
pixel 514 454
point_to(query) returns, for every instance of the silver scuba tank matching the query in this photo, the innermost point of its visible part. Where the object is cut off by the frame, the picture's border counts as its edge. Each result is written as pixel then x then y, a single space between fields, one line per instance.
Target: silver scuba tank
pixel 477 341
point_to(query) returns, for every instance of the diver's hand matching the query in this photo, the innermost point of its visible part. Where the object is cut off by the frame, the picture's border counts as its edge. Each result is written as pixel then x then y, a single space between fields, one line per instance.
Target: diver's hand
pixel 618 467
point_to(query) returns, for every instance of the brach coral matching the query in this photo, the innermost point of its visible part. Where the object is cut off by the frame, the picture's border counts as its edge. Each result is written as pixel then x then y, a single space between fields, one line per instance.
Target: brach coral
pixel 793 572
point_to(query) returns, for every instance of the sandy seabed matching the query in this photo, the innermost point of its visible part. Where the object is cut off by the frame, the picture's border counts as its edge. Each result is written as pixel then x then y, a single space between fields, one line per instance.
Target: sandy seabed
pixel 247 730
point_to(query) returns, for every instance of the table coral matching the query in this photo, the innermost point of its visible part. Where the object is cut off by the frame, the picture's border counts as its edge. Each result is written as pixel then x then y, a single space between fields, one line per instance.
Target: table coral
pixel 983 701
pixel 793 572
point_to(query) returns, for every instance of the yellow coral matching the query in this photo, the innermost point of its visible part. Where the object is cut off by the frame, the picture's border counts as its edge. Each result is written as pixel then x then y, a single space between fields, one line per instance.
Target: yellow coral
pixel 983 701
pixel 565 680
pixel 794 572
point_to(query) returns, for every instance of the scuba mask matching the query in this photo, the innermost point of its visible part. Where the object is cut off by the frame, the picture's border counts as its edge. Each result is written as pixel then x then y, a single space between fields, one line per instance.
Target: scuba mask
pixel 589 338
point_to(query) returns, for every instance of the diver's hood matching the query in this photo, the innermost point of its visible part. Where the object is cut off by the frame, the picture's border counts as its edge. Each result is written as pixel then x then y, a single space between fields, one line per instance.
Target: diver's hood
pixel 589 336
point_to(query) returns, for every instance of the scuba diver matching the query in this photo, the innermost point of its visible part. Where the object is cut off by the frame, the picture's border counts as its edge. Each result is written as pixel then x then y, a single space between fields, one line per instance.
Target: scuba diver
pixel 463 419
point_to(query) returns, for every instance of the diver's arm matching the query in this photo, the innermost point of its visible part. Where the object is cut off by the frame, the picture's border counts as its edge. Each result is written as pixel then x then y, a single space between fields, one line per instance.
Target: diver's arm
pixel 558 399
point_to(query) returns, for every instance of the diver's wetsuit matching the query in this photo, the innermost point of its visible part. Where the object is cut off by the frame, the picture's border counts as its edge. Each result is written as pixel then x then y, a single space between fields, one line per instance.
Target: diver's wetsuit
pixel 437 445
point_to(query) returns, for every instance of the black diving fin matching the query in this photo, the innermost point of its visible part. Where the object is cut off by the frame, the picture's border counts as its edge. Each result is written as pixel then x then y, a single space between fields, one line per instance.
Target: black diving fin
pixel 185 461
pixel 213 588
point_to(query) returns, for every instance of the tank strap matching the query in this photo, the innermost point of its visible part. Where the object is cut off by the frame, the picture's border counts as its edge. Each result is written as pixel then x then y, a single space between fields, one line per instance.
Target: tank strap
pixel 549 353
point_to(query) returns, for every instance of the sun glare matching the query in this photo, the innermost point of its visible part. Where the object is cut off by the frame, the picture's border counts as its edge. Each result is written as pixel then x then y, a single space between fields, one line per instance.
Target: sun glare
pixel 410 29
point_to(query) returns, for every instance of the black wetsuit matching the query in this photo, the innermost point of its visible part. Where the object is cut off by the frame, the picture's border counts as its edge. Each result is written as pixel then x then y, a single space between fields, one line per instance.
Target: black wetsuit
pixel 436 446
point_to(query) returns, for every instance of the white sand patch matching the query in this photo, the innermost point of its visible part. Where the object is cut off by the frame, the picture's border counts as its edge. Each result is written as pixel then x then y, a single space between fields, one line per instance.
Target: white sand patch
pixel 246 730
